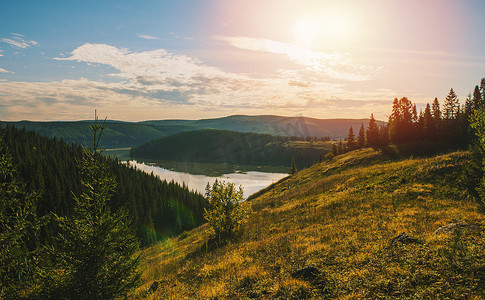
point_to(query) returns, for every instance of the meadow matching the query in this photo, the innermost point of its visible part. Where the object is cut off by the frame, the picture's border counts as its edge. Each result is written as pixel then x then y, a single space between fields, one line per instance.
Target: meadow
pixel 339 216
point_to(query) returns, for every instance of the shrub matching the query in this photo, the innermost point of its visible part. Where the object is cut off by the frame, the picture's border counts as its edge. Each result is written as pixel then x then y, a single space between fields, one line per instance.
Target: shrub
pixel 226 210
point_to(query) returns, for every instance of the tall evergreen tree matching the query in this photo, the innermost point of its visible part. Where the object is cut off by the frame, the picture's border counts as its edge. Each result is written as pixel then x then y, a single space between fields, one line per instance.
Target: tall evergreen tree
pixel 428 123
pixel 96 251
pixel 435 110
pixel 482 91
pixel 469 105
pixel 477 98
pixel 350 139
pixel 361 137
pixel 372 134
pixel 451 106
pixel 402 121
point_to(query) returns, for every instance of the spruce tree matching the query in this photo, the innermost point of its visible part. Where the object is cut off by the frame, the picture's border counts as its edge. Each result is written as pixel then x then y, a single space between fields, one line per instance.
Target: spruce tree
pixel 372 134
pixel 96 247
pixel 351 139
pixel 428 123
pixel 435 110
pixel 451 106
pixel 477 98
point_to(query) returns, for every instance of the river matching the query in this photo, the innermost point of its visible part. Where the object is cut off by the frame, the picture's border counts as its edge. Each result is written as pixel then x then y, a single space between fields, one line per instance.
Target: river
pixel 251 181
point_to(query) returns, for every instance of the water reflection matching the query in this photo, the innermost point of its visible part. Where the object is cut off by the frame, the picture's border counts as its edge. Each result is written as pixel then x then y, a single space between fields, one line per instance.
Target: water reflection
pixel 251 181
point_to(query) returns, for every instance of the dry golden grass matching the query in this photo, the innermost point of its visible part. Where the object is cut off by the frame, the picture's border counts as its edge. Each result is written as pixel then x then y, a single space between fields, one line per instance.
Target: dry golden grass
pixel 339 216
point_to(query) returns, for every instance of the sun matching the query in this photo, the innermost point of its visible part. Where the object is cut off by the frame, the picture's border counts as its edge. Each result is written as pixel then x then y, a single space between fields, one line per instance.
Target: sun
pixel 305 32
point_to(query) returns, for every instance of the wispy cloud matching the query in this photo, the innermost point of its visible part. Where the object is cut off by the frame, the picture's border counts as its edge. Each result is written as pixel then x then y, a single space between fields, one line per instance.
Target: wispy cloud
pixel 147 37
pixel 18 41
pixel 3 71
pixel 1 52
pixel 160 84
pixel 334 65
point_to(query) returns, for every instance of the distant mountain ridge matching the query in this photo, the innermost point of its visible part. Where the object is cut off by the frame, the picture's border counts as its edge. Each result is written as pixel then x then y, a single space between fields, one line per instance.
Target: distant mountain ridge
pixel 121 134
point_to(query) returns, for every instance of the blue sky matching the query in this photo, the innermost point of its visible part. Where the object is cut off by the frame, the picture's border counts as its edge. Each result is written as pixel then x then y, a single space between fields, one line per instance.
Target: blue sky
pixel 140 60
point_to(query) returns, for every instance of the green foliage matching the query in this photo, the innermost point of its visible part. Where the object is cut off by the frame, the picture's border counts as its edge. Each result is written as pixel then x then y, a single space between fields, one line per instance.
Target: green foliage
pixel 95 250
pixel 18 228
pixel 475 174
pixel 226 211
pixel 230 147
pixel 293 168
pixel 48 166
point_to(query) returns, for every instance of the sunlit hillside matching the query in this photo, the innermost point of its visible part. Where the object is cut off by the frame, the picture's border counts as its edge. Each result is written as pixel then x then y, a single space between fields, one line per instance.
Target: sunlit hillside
pixel 343 218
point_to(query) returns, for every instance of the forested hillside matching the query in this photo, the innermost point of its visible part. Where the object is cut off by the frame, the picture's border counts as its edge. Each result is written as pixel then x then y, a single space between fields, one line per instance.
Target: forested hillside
pixel 129 134
pixel 49 167
pixel 230 147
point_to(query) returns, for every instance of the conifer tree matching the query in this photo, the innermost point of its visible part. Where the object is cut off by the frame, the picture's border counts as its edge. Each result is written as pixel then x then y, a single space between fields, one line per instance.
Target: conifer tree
pixel 435 110
pixel 372 134
pixel 428 124
pixel 482 91
pixel 451 106
pixel 477 98
pixel 351 139
pixel 96 251
pixel 361 137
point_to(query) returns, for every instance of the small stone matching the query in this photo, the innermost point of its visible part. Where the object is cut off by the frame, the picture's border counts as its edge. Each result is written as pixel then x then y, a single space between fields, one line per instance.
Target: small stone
pixel 404 238
pixel 446 229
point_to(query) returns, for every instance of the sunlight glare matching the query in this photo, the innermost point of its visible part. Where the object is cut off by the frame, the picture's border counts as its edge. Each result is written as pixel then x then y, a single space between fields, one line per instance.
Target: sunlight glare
pixel 305 32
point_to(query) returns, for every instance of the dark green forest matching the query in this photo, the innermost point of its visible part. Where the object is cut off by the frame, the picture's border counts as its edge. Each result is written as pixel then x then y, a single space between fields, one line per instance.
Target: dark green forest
pixel 120 134
pixel 49 167
pixel 230 147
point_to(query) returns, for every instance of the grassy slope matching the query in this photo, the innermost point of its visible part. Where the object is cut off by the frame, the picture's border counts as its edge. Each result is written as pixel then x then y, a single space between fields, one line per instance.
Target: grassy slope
pixel 340 217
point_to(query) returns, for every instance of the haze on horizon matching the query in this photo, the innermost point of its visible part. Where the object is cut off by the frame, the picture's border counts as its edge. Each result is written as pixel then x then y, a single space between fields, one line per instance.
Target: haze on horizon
pixel 133 61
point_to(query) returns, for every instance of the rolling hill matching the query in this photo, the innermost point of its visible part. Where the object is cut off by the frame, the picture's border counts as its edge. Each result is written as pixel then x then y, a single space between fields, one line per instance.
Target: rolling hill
pixel 365 225
pixel 129 134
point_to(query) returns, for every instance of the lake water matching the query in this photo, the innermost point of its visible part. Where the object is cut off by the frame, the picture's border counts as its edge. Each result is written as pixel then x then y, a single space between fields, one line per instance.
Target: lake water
pixel 251 181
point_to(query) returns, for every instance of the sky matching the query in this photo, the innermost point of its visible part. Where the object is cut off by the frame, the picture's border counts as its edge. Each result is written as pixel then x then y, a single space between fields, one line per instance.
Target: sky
pixel 192 59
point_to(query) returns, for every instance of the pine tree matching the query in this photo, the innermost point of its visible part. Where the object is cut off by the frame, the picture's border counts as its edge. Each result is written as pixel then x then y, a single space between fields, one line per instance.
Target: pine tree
pixel 351 139
pixel 402 121
pixel 435 110
pixel 96 246
pixel 428 123
pixel 451 106
pixel 482 92
pixel 361 137
pixel 477 98
pixel 372 134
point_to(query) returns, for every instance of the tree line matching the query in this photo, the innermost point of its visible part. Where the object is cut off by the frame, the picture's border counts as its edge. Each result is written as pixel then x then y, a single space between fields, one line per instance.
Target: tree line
pixel 49 166
pixel 71 219
pixel 447 125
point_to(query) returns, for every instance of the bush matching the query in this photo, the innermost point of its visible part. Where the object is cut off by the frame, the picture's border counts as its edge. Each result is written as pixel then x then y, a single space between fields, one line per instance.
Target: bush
pixel 226 210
